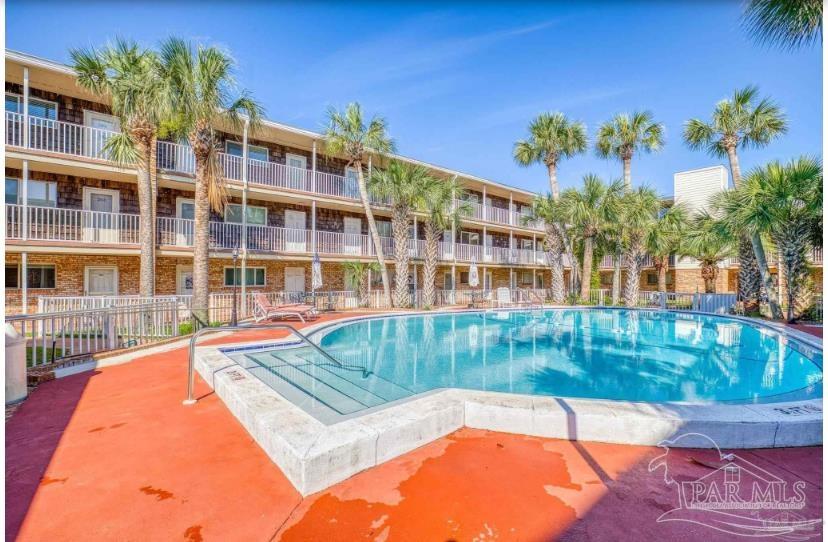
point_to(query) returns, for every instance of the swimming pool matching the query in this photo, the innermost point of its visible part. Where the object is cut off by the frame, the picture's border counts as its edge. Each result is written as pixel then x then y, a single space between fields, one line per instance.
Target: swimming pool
pixel 615 354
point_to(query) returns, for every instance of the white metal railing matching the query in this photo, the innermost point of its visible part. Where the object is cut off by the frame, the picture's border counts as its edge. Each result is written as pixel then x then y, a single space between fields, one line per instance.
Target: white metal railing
pixel 53 336
pixel 59 137
pixel 496 214
pixel 55 224
pixel 175 157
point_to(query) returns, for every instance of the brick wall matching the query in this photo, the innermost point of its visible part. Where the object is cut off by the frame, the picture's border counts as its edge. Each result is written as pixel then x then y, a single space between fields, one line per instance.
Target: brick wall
pixel 70 189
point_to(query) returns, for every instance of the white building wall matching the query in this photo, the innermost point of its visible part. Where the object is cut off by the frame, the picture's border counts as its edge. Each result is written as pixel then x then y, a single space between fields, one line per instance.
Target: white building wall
pixel 694 189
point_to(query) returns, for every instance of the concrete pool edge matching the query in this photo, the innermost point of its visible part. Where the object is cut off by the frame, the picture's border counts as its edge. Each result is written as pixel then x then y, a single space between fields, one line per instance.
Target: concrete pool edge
pixel 315 456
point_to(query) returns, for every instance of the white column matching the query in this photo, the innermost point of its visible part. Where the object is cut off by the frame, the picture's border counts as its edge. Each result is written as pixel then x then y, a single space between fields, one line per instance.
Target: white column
pixel 313 227
pixel 485 247
pixel 244 219
pixel 534 253
pixel 511 208
pixel 24 194
pixel 25 107
pixel 313 168
pixel 24 287
pixel 453 233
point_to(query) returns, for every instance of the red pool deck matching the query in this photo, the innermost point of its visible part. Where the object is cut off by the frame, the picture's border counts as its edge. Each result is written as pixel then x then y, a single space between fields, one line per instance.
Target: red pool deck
pixel 113 455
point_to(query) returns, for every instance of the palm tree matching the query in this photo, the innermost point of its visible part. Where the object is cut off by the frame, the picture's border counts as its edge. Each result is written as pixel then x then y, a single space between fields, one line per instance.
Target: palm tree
pixel 788 24
pixel 552 213
pixel 404 185
pixel 626 135
pixel 739 123
pixel 782 201
pixel 664 239
pixel 201 85
pixel 349 136
pixel 130 77
pixel 639 213
pixel 440 205
pixel 356 278
pixel 588 210
pixel 551 137
pixel 709 242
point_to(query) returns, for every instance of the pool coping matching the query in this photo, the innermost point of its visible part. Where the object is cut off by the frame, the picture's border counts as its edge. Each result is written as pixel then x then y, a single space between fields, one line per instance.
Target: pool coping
pixel 314 455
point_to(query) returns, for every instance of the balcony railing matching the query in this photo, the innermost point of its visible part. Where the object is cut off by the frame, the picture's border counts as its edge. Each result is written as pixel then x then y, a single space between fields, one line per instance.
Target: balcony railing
pixel 53 224
pixel 58 137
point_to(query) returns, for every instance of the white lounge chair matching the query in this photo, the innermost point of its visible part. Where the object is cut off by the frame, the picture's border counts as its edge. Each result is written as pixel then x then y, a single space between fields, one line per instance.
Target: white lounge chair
pixel 265 310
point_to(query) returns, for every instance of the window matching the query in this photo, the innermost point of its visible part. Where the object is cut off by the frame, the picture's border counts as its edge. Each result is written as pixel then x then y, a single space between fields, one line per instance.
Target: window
pixel 384 228
pixel 526 244
pixel 539 281
pixel 41 193
pixel 254 276
pixel 464 277
pixel 12 191
pixel 255 215
pixel 254 152
pixel 470 238
pixel 471 197
pixel 12 276
pixel 525 277
pixel 37 108
pixel 652 278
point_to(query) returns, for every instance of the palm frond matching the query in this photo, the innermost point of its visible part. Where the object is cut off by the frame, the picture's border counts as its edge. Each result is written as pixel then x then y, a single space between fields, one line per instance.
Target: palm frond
pixel 789 24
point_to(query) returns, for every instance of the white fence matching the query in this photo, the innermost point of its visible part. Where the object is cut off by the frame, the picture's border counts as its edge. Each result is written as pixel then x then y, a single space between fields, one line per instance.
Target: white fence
pixel 54 224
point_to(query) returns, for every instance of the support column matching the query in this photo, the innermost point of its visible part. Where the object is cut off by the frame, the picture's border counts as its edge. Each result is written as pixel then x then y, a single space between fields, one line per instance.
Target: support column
pixel 485 246
pixel 484 202
pixel 313 227
pixel 511 210
pixel 244 219
pixel 24 286
pixel 24 198
pixel 25 126
pixel 534 252
pixel 313 168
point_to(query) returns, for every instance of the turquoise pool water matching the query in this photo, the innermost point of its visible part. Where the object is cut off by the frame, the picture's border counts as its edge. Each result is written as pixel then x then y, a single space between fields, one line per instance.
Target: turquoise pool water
pixel 597 353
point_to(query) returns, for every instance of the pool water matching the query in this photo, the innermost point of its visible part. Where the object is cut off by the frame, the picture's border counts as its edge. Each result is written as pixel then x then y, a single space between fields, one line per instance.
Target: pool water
pixel 651 356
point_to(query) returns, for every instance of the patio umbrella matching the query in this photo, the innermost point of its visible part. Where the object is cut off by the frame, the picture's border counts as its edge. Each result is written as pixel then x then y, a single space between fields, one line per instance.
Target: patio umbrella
pixel 474 280
pixel 316 273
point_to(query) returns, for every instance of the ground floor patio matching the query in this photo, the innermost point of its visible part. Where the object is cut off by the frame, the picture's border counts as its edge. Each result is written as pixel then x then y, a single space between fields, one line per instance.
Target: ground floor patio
pixel 112 454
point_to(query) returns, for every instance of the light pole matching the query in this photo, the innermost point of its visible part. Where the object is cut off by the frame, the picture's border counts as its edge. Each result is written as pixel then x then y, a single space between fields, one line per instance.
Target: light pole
pixel 234 318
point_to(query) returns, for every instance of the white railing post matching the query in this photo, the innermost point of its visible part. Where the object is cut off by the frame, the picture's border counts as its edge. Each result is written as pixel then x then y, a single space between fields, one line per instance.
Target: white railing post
pixel 313 168
pixel 25 107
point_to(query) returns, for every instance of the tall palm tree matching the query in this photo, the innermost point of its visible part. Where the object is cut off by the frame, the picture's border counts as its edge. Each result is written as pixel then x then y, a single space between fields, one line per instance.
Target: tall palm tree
pixel 639 213
pixel 552 136
pixel 738 123
pixel 710 243
pixel 664 239
pixel 202 89
pixel 788 24
pixel 442 212
pixel 404 184
pixel 626 135
pixel 782 201
pixel 552 213
pixel 348 135
pixel 588 210
pixel 130 77
pixel 356 278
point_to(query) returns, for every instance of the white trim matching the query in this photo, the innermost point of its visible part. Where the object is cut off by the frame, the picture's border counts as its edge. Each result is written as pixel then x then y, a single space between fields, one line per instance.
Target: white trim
pixel 179 269
pixel 178 201
pixel 36 99
pixel 89 190
pixel 19 267
pixel 86 270
pixel 249 146
pixel 249 267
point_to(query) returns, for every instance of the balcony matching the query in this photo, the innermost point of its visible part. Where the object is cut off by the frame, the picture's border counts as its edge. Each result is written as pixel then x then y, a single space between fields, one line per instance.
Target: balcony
pixel 67 225
pixel 58 137
pixel 498 215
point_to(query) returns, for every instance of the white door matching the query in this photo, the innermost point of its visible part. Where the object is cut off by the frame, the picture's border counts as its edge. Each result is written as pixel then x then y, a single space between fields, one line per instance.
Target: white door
pixel 100 223
pixel 294 279
pixel 184 226
pixel 297 171
pixel 487 280
pixel 487 249
pixel 102 127
pixel 351 188
pixel 101 281
pixel 447 252
pixel 184 280
pixel 295 232
pixel 353 235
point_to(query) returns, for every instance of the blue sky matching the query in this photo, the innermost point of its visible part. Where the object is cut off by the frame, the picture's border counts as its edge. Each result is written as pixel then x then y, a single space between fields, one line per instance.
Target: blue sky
pixel 458 83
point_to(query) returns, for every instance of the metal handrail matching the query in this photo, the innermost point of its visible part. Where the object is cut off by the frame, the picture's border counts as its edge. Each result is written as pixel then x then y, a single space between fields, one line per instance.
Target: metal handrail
pixel 79 312
pixel 191 364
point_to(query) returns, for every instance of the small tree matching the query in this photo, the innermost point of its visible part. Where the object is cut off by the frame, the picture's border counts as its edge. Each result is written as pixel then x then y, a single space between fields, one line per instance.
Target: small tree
pixel 356 278
pixel 664 239
pixel 708 241
pixel 639 212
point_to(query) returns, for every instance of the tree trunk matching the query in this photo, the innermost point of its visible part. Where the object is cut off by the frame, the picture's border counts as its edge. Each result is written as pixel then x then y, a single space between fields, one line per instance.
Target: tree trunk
pixel 616 275
pixel 201 241
pixel 372 229
pixel 708 273
pixel 399 225
pixel 555 255
pixel 153 168
pixel 432 241
pixel 146 281
pixel 750 280
pixel 793 247
pixel 758 250
pixel 552 167
pixel 663 262
pixel 627 173
pixel 634 259
pixel 587 268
